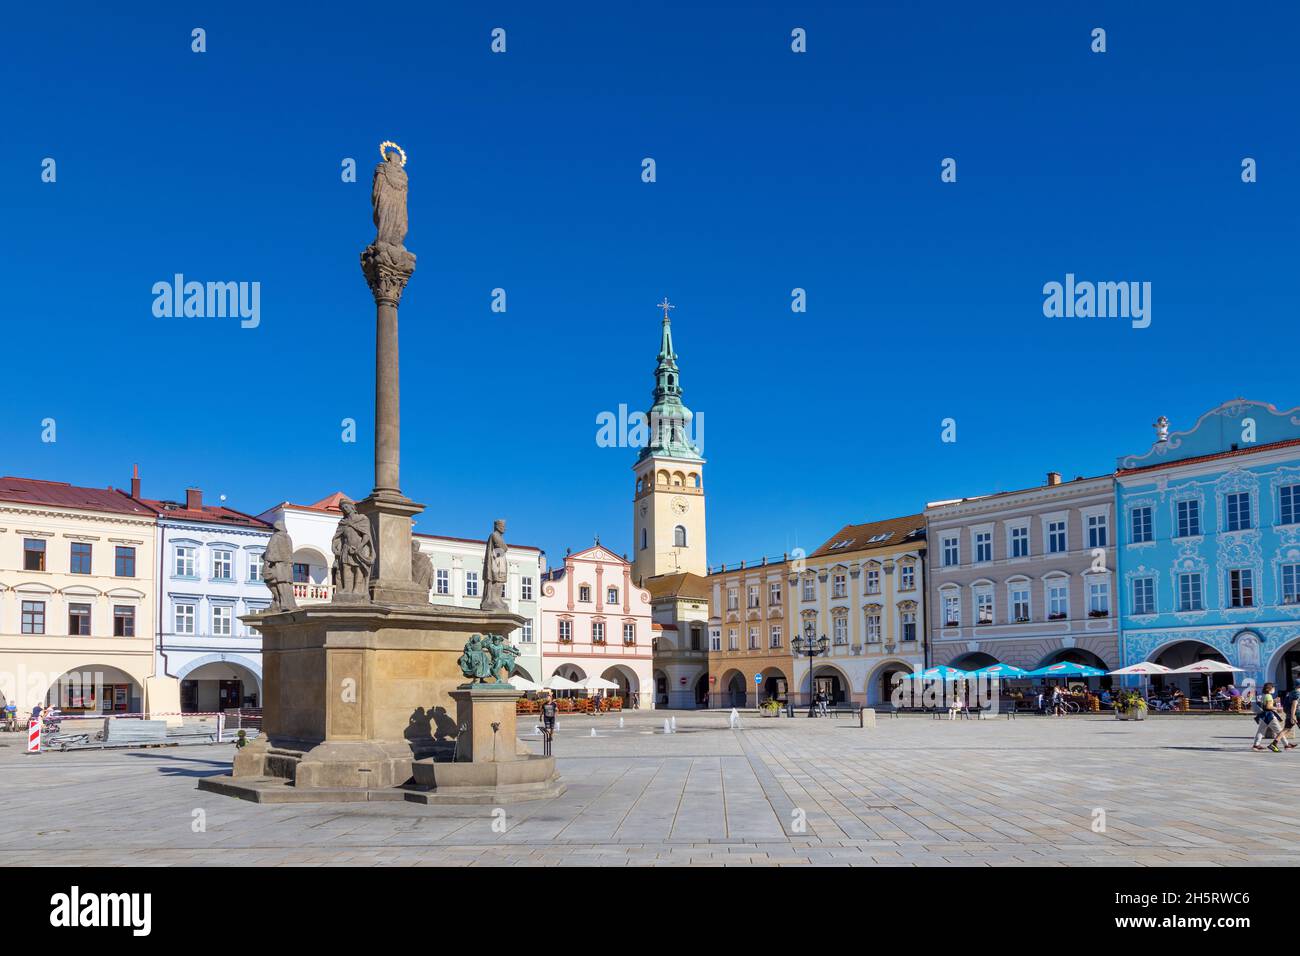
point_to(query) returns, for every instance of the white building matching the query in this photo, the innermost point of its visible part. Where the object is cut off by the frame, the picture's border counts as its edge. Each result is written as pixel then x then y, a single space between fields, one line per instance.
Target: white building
pixel 209 572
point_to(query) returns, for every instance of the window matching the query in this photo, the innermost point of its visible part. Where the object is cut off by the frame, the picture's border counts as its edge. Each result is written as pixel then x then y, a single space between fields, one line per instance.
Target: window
pixel 123 620
pixel 1020 603
pixel 1238 511
pixel 33 554
pixel 909 625
pixel 254 565
pixel 629 632
pixel 301 573
pixel 679 537
pixel 526 590
pixel 566 632
pixel 584 593
pixel 1241 588
pixel 184 565
pixel 643 539
pixel 1058 600
pixel 34 616
pixel 598 632
pixel 983 546
pixel 809 588
pixel 471 585
pixel 442 581
pixel 79 563
pixel 1056 543
pixel 1189 519
pixel 753 638
pixel 1020 541
pixel 124 561
pixel 715 639
pixel 1291 584
pixel 1189 592
pixel 611 595
pixel 774 636
pixel 752 595
pixel 840 628
pixel 952 609
pixel 873 625
pixel 1144 595
pixel 223 617
pixel 733 599
pixel 839 586
pixel 984 607
pixel 79 620
pixel 774 593
pixel 733 641
pixel 907 578
pixel 873 581
pixel 184 618
pixel 1289 505
pixel 1099 599
pixel 527 632
pixel 223 565
pixel 951 551
pixel 1140 524
pixel 1098 525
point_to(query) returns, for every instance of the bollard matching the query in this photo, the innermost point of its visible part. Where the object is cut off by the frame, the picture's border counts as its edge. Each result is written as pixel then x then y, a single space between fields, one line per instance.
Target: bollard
pixel 33 736
pixel 672 722
pixel 593 731
pixel 620 723
pixel 667 728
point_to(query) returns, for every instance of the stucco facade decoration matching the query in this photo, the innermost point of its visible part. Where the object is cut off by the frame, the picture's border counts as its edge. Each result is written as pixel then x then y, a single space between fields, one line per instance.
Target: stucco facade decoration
pixel 77 599
pixel 748 635
pixel 1210 546
pixel 597 623
pixel 1025 577
pixel 864 589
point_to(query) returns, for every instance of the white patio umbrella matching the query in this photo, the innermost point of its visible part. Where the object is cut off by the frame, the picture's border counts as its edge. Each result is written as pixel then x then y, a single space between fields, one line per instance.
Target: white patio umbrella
pixel 1144 668
pixel 1207 667
pixel 523 683
pixel 556 682
pixel 599 683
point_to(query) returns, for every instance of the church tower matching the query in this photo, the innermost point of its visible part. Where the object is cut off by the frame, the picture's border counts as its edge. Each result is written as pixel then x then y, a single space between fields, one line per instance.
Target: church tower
pixel 668 506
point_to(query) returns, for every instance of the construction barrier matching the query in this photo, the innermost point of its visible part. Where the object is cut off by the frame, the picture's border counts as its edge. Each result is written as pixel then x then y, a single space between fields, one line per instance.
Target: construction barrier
pixel 33 736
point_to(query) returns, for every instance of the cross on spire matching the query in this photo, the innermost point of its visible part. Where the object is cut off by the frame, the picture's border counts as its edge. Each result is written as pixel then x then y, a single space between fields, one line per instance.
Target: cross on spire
pixel 666 305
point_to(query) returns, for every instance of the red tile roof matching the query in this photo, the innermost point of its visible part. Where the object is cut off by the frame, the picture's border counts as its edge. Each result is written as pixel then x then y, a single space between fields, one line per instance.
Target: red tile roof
pixel 857 537
pixel 216 514
pixel 60 494
pixel 1217 455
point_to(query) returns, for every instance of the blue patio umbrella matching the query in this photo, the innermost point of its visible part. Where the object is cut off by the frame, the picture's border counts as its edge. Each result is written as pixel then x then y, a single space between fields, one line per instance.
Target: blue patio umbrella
pixel 1067 669
pixel 941 672
pixel 1001 671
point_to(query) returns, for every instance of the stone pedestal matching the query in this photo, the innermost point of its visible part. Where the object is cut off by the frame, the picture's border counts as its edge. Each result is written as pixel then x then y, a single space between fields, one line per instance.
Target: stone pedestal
pixel 487 712
pixel 390 514
pixel 353 695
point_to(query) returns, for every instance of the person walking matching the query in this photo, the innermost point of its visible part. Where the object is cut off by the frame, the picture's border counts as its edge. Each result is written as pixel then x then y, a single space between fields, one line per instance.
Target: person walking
pixel 1290 702
pixel 1268 720
pixel 549 710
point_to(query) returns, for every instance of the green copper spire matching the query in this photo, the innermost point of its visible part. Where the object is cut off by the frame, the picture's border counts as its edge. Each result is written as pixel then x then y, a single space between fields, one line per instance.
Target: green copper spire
pixel 668 419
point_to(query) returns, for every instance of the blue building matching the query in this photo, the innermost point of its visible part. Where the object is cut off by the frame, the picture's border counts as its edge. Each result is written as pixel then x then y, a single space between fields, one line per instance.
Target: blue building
pixel 1209 546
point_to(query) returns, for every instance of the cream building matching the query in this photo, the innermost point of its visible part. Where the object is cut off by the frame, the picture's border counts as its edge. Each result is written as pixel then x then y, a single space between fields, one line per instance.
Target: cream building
pixel 864 590
pixel 77 600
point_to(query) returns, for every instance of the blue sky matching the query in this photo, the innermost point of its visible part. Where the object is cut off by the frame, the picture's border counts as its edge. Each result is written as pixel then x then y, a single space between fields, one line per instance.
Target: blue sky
pixel 775 171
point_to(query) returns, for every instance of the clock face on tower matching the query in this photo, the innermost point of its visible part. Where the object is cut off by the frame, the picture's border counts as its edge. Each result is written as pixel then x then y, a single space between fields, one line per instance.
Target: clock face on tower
pixel 681 505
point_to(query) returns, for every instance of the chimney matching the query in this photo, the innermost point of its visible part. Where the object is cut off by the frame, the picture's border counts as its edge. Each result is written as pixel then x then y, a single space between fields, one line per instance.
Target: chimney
pixel 135 481
pixel 193 499
pixel 1053 477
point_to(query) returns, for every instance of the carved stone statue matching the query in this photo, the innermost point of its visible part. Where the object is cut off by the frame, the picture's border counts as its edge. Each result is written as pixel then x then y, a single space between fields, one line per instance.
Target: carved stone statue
pixel 495 569
pixel 504 654
pixel 421 567
pixel 354 554
pixel 476 660
pixel 1162 429
pixel 277 569
pixel 388 197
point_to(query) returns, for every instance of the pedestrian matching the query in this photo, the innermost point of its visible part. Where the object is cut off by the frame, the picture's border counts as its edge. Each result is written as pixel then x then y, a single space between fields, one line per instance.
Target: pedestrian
pixel 1268 720
pixel 548 715
pixel 1289 705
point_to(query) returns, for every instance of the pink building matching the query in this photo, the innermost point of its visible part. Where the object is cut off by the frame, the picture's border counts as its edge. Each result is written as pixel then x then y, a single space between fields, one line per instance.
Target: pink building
pixel 596 623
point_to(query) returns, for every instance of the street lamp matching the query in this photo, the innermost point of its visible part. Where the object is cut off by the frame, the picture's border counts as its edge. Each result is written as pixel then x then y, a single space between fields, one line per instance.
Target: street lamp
pixel 810 646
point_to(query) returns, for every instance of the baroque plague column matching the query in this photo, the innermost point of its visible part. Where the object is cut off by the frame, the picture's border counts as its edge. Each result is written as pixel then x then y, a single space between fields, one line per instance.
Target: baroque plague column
pixel 364 696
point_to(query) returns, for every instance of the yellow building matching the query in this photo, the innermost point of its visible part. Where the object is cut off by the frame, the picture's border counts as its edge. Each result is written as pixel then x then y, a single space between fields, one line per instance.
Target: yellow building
pixel 864 590
pixel 749 636
pixel 77 599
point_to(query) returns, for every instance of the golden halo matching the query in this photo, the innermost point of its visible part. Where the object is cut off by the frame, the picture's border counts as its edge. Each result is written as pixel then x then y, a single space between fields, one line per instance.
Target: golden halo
pixel 383 150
